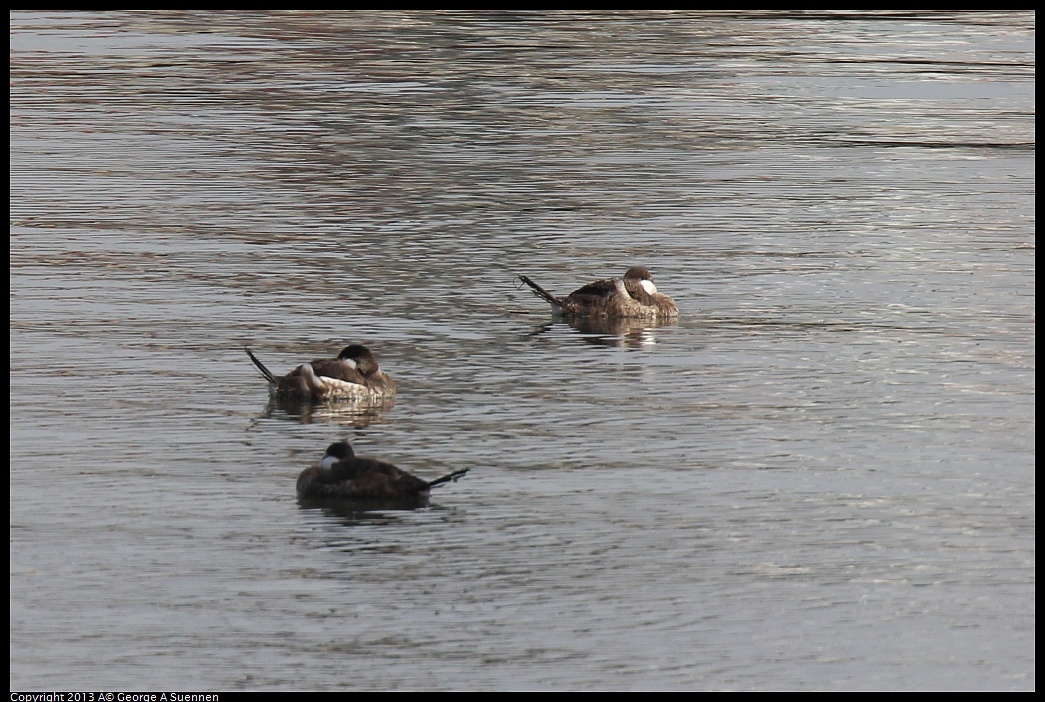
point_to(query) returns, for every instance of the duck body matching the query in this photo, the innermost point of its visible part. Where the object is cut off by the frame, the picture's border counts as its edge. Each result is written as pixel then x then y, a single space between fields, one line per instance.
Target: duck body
pixel 634 296
pixel 343 476
pixel 354 375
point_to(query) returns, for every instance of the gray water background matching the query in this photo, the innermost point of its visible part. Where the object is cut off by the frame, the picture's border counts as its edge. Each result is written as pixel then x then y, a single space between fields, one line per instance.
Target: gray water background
pixel 820 478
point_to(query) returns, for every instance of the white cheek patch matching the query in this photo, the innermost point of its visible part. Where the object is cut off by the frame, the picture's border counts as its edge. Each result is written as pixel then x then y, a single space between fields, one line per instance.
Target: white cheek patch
pixel 328 462
pixel 350 363
pixel 648 286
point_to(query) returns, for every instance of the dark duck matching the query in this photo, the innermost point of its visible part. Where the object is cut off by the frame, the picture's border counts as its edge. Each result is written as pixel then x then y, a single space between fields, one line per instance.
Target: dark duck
pixel 343 476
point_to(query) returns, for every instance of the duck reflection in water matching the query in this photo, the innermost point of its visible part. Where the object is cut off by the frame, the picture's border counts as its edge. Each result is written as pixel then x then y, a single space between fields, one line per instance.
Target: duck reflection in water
pixel 622 333
pixel 618 333
pixel 366 483
pixel 307 411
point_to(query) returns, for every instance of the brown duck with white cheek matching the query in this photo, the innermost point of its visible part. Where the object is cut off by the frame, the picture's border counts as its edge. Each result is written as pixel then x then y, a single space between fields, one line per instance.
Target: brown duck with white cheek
pixel 344 476
pixel 353 375
pixel 632 297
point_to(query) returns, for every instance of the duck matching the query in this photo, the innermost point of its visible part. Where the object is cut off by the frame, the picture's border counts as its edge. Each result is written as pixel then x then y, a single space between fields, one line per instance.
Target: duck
pixel 633 296
pixel 343 476
pixel 353 375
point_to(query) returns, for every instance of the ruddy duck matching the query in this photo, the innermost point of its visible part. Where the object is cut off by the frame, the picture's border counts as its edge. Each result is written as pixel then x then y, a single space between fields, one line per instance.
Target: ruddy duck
pixel 344 476
pixel 633 296
pixel 353 375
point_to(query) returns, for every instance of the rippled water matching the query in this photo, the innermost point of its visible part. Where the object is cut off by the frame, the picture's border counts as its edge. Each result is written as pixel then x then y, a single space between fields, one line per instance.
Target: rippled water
pixel 821 477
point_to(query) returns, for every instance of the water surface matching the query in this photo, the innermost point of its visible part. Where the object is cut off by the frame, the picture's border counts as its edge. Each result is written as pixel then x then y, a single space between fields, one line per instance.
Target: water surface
pixel 820 478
